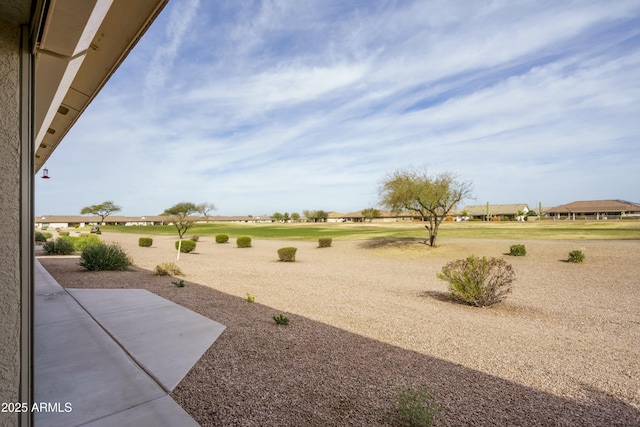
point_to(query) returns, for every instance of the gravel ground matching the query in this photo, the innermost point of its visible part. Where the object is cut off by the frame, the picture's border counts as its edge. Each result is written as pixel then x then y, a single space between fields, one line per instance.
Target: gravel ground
pixel 370 317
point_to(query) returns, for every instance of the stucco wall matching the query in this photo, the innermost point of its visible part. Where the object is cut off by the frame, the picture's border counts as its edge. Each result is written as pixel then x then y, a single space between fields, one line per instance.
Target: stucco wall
pixel 9 218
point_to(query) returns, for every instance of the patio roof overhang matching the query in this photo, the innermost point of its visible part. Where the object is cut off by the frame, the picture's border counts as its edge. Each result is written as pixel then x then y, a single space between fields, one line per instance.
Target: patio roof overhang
pixel 78 45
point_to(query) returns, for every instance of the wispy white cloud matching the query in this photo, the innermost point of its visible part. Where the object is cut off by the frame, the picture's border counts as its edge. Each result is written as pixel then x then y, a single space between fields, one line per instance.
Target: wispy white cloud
pixel 281 105
pixel 161 65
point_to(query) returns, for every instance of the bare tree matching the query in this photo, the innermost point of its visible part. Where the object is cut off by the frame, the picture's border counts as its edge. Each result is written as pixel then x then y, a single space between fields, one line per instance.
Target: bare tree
pixel 430 197
pixel 204 209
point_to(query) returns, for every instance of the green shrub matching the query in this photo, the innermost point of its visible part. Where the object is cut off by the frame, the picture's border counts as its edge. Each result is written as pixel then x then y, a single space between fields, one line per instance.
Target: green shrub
pixel 179 283
pixel 287 254
pixel 60 246
pixel 250 298
pixel 194 238
pixel 40 237
pixel 243 242
pixel 84 235
pixel 104 257
pixel 281 320
pixel 186 246
pixel 415 408
pixel 222 238
pixel 63 233
pixel 576 256
pixel 478 281
pixel 48 235
pixel 145 242
pixel 82 242
pixel 517 250
pixel 168 269
pixel 324 242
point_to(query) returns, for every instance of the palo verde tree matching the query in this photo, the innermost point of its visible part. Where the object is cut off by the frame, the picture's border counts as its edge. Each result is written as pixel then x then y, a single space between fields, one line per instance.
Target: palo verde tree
pixel 180 216
pixel 103 210
pixel 430 197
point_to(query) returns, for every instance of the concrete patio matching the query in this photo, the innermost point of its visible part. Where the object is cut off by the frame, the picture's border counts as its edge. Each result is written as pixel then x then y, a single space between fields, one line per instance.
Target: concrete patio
pixel 107 357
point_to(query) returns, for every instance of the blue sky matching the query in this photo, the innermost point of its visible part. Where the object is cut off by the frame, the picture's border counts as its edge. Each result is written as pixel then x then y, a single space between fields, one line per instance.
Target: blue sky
pixel 265 106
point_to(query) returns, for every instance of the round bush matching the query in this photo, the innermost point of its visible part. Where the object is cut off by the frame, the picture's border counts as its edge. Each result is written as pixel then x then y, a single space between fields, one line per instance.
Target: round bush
pixel 287 254
pixel 104 257
pixel 169 268
pixel 243 242
pixel 80 243
pixel 186 246
pixel 60 246
pixel 222 238
pixel 324 242
pixel 40 237
pixel 576 256
pixel 478 281
pixel 63 233
pixel 195 238
pixel 145 242
pixel 517 250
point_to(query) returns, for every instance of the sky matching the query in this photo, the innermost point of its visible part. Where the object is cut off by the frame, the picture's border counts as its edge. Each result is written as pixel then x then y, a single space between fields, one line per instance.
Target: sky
pixel 282 105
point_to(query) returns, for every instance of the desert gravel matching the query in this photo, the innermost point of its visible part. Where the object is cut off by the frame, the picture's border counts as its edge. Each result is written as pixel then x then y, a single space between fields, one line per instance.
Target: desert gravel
pixel 369 317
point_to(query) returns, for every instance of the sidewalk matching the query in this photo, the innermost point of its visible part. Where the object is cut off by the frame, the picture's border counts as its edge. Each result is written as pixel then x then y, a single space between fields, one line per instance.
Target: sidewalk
pixel 110 357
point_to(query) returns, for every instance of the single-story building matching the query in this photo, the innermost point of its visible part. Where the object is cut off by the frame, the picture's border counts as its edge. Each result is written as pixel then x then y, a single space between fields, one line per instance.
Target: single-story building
pixel 595 210
pixel 516 211
pixel 65 221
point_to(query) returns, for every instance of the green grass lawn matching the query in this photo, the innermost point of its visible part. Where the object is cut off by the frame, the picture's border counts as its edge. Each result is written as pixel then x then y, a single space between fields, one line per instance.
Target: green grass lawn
pixel 562 230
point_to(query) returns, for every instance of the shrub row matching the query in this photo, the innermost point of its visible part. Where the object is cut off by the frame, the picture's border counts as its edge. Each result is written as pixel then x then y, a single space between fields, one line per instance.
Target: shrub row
pixel 60 246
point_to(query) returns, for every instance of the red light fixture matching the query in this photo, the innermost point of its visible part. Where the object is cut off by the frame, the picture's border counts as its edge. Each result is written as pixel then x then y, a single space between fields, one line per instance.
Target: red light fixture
pixel 45 173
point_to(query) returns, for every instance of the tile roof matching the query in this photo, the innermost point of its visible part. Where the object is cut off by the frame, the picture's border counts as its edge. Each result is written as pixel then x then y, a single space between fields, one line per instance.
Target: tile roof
pixel 596 206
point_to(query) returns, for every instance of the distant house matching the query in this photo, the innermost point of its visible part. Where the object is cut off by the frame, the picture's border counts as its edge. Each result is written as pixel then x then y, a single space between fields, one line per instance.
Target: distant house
pixel 595 210
pixel 358 217
pixel 238 218
pixel 65 221
pixel 486 212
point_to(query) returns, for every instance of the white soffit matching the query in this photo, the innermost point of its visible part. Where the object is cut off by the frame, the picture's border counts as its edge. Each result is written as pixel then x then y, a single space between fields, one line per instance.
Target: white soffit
pixel 69 28
pixel 83 42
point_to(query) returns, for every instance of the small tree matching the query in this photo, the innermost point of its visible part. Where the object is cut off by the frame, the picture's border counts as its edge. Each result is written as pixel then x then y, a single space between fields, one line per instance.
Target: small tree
pixel 277 216
pixel 295 217
pixel 103 210
pixel 285 217
pixel 371 213
pixel 179 215
pixel 322 216
pixel 310 215
pixel 430 197
pixel 204 209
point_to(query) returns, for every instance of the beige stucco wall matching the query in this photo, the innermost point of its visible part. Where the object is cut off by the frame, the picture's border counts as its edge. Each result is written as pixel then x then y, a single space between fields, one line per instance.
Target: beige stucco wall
pixel 9 217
